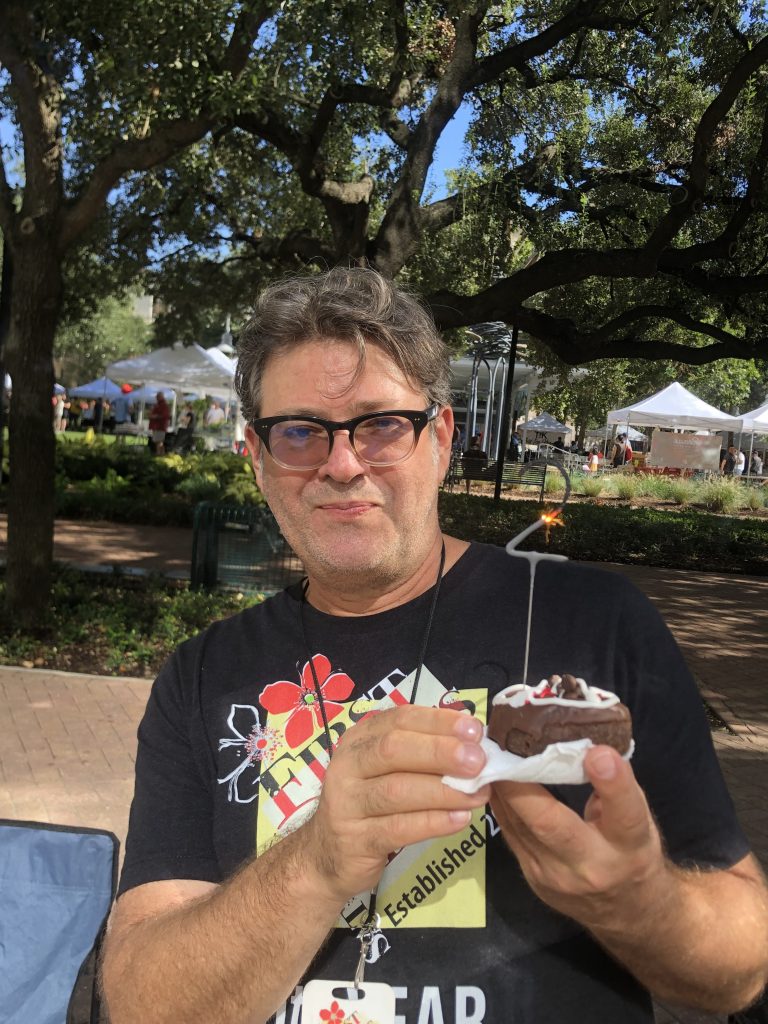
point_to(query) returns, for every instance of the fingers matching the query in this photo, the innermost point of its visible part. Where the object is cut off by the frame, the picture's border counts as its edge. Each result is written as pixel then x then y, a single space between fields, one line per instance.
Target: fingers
pixel 407 792
pixel 413 739
pixel 540 822
pixel 401 830
pixel 624 819
pixel 617 810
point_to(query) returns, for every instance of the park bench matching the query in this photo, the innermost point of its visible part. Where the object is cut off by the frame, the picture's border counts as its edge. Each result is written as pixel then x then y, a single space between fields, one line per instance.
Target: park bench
pixel 514 474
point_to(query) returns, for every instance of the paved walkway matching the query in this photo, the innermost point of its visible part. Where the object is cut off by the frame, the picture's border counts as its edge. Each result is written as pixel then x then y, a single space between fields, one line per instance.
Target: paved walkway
pixel 68 746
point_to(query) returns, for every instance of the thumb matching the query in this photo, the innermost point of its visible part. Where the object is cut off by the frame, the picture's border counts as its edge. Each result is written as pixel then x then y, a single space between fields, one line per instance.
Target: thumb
pixel 624 818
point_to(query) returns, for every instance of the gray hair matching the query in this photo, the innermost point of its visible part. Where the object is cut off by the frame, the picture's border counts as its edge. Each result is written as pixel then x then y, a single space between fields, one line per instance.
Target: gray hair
pixel 354 304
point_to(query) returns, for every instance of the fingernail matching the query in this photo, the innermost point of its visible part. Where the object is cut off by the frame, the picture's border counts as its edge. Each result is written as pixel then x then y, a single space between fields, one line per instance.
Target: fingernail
pixel 471 756
pixel 468 728
pixel 603 765
pixel 460 818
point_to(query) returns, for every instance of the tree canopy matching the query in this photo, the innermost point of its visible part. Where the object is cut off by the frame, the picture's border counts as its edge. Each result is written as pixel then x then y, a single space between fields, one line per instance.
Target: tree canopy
pixel 612 194
pixel 611 201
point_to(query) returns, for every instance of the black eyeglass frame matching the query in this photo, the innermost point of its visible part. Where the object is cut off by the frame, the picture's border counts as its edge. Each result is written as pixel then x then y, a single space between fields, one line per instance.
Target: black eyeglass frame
pixel 418 418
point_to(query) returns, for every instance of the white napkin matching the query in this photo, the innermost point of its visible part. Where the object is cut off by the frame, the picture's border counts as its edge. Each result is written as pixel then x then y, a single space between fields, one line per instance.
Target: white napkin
pixel 559 763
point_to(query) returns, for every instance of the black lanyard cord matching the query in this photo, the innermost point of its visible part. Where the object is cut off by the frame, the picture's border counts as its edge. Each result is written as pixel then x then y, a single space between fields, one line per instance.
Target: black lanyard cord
pixel 371 922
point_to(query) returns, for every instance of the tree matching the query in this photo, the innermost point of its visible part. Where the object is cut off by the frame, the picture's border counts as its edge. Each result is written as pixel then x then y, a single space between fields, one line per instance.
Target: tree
pixel 615 196
pixel 616 186
pixel 92 92
pixel 112 331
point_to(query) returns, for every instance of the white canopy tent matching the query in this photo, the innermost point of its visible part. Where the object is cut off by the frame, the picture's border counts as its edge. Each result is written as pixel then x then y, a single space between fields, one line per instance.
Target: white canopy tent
pixel 755 422
pixel 674 407
pixel 632 434
pixel 183 367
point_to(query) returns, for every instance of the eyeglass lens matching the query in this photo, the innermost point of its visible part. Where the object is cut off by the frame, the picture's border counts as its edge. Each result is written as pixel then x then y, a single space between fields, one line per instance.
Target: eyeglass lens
pixel 379 441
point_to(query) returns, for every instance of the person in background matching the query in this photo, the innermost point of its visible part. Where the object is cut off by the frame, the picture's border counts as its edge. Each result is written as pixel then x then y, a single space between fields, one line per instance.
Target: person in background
pixel 474 459
pixel 622 451
pixel 87 413
pixel 740 461
pixel 756 464
pixel 59 422
pixel 122 406
pixel 159 418
pixel 516 446
pixel 214 415
pixel 98 415
pixel 185 440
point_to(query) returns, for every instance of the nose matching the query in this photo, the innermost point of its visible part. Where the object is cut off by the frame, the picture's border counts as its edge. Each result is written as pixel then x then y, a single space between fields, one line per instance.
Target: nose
pixel 342 464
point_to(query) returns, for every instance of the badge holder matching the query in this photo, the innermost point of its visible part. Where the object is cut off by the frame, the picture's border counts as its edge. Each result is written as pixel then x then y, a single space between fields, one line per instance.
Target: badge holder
pixel 338 1002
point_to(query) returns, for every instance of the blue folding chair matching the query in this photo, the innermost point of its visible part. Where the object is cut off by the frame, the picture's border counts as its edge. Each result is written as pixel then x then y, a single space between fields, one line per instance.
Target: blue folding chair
pixel 56 887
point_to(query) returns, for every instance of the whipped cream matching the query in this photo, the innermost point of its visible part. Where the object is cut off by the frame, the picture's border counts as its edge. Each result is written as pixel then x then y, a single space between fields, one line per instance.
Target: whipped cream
pixel 549 691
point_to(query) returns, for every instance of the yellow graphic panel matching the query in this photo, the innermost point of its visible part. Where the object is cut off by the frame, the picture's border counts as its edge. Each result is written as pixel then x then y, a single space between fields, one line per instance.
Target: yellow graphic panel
pixel 438 883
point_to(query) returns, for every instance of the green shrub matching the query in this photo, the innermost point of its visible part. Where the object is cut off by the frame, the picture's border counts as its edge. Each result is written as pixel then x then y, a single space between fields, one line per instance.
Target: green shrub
pixel 719 495
pixel 754 499
pixel 686 538
pixel 200 487
pixel 139 621
pixel 592 486
pixel 626 486
pixel 681 492
pixel 126 483
pixel 554 482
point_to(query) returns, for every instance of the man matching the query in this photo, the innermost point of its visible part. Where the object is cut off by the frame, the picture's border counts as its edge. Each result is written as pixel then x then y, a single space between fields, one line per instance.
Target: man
pixel 549 905
pixel 622 451
pixel 122 406
pixel 731 465
pixel 159 421
pixel 214 415
pixel 474 460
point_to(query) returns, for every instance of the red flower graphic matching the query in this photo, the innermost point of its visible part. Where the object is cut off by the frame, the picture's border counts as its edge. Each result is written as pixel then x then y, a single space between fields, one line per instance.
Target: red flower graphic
pixel 301 699
pixel 335 1015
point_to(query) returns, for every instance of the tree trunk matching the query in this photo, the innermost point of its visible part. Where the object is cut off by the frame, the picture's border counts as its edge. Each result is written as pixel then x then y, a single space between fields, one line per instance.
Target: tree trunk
pixel 35 304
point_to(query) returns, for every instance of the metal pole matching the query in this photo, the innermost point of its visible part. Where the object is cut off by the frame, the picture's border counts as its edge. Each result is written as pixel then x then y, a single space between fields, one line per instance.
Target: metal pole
pixel 472 412
pixel 499 442
pixel 506 410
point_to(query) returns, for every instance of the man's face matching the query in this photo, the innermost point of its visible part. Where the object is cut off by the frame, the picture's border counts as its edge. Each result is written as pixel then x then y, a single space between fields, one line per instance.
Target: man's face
pixel 346 518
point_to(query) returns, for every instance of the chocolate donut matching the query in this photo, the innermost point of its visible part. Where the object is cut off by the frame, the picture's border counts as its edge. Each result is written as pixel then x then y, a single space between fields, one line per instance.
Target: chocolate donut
pixel 526 719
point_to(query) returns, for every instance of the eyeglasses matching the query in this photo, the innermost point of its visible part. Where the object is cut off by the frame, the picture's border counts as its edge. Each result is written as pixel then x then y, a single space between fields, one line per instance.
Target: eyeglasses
pixel 379 438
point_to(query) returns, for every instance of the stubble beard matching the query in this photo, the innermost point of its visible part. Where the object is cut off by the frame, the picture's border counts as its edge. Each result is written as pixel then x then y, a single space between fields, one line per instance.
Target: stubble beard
pixel 356 562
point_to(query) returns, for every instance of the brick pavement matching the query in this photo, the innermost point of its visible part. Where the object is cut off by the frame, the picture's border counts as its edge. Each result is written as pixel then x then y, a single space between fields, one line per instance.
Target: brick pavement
pixel 68 747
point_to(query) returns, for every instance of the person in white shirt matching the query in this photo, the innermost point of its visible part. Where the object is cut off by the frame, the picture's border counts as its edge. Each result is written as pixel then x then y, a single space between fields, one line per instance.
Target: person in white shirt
pixel 214 415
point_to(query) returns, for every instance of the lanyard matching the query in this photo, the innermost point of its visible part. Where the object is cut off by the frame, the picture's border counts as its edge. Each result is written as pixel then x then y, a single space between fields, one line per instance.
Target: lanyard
pixel 366 931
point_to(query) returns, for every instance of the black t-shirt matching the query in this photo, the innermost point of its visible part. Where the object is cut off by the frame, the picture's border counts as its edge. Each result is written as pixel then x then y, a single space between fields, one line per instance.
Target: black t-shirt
pixel 231 756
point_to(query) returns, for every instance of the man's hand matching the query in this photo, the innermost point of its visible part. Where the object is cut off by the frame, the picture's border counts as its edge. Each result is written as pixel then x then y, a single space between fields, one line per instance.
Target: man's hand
pixel 694 937
pixel 604 870
pixel 383 791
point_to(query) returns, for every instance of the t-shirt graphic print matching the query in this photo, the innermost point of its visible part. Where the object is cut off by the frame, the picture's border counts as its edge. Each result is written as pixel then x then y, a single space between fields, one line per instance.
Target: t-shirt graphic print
pixel 281 754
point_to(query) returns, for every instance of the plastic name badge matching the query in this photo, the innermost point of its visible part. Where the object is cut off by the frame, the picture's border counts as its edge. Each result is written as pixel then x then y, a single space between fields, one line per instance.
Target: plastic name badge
pixel 336 1002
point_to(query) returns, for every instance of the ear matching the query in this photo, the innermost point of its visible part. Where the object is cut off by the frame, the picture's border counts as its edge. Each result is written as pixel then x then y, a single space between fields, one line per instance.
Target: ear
pixel 254 451
pixel 444 433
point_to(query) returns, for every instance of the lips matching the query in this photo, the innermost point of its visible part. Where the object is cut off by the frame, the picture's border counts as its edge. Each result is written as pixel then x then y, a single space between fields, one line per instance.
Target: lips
pixel 346 506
